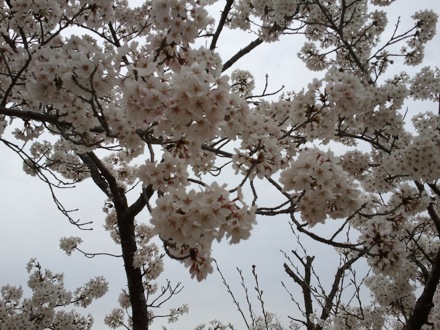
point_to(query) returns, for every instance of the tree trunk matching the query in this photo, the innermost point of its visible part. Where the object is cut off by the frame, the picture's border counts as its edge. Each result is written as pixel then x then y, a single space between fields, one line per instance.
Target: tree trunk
pixel 125 220
pixel 424 304
pixel 134 275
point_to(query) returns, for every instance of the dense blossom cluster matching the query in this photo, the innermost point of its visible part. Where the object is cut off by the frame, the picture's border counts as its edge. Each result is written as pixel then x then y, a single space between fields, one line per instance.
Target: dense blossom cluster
pixel 189 222
pixel 43 309
pixel 170 172
pixel 274 15
pixel 349 318
pixel 243 83
pixel 425 30
pixel 425 85
pixel 189 104
pixel 418 160
pixel 68 244
pixel 325 188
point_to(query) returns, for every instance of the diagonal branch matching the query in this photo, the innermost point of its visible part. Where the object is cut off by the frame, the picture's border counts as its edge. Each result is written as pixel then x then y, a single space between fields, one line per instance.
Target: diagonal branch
pixel 431 210
pixel 221 24
pixel 29 115
pixel 336 285
pixel 241 53
pixel 305 286
pixel 117 195
pixel 142 201
pixel 425 303
pixel 95 174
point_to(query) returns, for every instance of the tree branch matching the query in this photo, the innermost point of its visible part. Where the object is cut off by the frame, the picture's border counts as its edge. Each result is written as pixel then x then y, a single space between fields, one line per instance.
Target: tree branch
pixel 221 23
pixel 305 286
pixel 336 286
pixel 425 303
pixel 241 53
pixel 27 115
pixel 143 199
pixel 95 174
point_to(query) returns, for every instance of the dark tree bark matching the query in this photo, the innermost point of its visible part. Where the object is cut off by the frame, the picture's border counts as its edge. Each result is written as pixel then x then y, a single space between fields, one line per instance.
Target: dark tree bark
pixel 126 226
pixel 134 275
pixel 425 303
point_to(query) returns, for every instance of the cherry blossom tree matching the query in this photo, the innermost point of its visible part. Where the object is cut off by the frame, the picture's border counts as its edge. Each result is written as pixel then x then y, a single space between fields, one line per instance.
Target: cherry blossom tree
pixel 138 99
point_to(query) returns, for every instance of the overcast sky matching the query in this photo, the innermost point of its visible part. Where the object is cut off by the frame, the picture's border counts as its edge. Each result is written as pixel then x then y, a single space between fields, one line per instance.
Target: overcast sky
pixel 30 224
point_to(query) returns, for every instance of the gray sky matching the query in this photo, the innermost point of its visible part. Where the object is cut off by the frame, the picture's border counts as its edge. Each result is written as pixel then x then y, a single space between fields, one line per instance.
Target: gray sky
pixel 30 225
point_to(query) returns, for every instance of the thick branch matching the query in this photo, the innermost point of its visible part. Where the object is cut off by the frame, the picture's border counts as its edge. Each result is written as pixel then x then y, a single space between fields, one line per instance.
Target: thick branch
pixel 434 216
pixel 95 174
pixel 221 23
pixel 318 238
pixel 126 226
pixel 424 304
pixel 241 53
pixel 217 151
pixel 117 195
pixel 143 199
pixel 29 115
pixel 305 286
pixel 431 210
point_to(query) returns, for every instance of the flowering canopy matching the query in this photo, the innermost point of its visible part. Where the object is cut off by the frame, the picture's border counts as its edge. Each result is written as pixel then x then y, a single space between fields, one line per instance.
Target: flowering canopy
pixel 129 98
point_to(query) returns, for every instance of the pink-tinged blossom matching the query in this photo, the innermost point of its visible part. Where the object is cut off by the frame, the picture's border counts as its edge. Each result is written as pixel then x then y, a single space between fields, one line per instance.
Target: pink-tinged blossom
pixel 68 244
pixel 42 309
pixel 326 189
pixel 190 221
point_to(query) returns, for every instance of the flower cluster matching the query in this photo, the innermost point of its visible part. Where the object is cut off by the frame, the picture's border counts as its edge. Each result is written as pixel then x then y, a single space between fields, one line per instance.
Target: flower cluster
pixel 115 319
pixel 274 16
pixel 48 295
pixel 425 85
pixel 396 292
pixel 409 200
pixel 317 111
pixel 25 14
pixel 361 27
pixel 358 318
pixel 188 222
pixel 265 151
pixel 197 104
pixel 170 172
pixel 418 159
pixel 321 186
pixel 356 163
pixel 68 244
pixel 243 83
pixel 188 105
pixel 93 289
pixel 98 14
pixel 381 236
pixel 147 256
pixel 176 24
pixel 176 312
pixel 264 162
pixel 136 102
pixel 312 57
pixel 426 22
